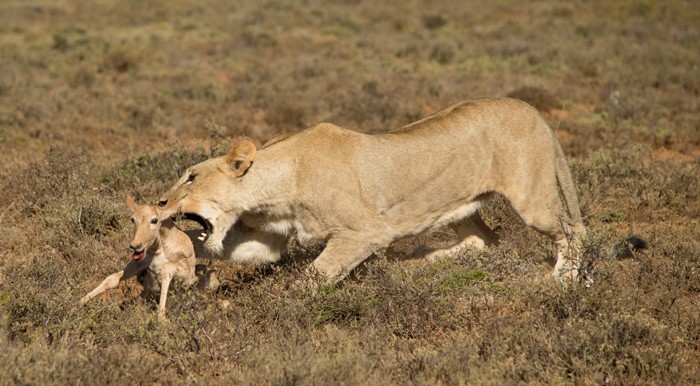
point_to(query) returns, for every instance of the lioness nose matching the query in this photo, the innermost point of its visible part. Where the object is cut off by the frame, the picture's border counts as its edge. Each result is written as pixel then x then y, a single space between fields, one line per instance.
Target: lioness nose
pixel 135 247
pixel 162 202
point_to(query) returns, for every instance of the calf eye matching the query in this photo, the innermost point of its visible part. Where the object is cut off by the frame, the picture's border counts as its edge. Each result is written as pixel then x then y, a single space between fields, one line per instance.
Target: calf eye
pixel 132 220
pixel 154 221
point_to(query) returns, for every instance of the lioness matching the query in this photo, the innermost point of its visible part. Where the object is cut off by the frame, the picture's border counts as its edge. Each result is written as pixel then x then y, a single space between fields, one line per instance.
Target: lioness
pixel 359 192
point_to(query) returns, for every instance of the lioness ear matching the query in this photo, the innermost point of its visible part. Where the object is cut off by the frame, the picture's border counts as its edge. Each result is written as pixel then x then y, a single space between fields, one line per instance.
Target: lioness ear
pixel 130 203
pixel 166 213
pixel 241 156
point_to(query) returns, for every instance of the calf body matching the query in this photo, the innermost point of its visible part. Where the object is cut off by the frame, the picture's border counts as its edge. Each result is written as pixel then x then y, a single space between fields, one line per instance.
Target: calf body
pixel 161 253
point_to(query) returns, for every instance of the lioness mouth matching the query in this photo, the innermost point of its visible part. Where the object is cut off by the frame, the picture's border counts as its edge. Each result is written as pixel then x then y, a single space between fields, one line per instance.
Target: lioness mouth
pixel 206 225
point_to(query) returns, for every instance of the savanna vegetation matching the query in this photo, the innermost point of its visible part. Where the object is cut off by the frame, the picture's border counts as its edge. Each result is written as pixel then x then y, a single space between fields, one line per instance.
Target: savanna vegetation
pixel 103 98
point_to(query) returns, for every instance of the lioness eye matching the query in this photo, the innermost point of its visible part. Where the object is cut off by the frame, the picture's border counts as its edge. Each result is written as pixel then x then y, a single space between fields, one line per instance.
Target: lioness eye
pixel 191 177
pixel 154 221
pixel 132 220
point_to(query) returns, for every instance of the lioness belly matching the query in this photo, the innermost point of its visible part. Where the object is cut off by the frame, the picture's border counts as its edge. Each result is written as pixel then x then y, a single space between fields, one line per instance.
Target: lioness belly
pixel 461 212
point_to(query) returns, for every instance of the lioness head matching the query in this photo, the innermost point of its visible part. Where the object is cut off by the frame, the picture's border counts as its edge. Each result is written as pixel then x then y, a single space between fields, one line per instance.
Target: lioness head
pixel 207 193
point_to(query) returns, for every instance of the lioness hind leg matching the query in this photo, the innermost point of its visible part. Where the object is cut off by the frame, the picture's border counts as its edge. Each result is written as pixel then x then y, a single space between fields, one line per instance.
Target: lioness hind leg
pixel 568 262
pixel 543 215
pixel 472 232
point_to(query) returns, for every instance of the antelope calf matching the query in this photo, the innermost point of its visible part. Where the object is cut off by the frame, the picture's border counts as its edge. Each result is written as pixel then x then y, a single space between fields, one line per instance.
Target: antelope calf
pixel 161 252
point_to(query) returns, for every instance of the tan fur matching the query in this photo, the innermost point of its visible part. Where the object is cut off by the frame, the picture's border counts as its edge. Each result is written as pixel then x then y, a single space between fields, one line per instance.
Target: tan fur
pixel 168 254
pixel 357 193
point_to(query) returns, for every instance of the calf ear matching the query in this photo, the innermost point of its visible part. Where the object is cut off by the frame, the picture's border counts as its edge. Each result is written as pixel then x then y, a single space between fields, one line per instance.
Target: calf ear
pixel 131 203
pixel 241 156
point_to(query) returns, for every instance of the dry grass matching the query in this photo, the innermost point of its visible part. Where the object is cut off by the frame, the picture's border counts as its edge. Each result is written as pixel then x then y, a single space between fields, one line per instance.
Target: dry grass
pixel 102 98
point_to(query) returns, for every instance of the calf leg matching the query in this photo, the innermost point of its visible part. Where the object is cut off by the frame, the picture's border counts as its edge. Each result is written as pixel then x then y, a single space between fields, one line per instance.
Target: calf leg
pixel 131 269
pixel 164 285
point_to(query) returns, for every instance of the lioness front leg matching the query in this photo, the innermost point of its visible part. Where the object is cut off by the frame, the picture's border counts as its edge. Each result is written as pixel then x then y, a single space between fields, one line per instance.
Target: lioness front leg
pixel 243 246
pixel 340 256
pixel 111 281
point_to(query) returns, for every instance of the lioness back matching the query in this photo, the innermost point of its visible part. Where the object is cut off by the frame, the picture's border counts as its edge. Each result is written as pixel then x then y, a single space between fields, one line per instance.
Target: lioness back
pixel 407 179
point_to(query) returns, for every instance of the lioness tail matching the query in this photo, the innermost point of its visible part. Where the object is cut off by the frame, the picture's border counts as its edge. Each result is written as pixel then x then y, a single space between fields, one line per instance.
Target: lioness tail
pixel 624 248
pixel 567 185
